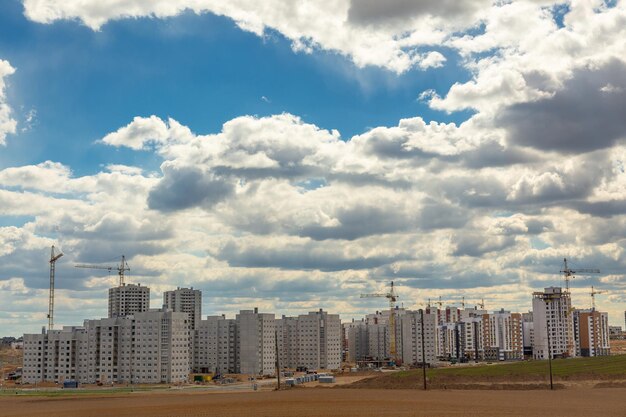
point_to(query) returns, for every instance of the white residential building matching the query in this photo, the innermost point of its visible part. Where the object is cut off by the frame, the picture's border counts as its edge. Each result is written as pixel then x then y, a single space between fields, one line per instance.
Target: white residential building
pixel 358 345
pixel 288 342
pixel 528 333
pixel 256 347
pixel 185 300
pixel 411 347
pixel 552 316
pixel 319 340
pixel 215 346
pixel 128 299
pixel 147 347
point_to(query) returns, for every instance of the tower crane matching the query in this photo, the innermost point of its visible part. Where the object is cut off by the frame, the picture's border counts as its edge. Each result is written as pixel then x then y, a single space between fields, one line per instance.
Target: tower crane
pixel 54 257
pixel 121 268
pixel 569 273
pixel 593 297
pixel 392 297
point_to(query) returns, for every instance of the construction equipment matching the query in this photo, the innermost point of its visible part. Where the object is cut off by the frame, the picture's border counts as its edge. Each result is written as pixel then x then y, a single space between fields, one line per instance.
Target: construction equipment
pixel 593 297
pixel 569 273
pixel 121 268
pixel 54 257
pixel 392 297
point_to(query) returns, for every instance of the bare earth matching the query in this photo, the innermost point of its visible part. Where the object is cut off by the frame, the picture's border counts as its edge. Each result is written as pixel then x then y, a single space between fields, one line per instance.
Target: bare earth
pixel 324 402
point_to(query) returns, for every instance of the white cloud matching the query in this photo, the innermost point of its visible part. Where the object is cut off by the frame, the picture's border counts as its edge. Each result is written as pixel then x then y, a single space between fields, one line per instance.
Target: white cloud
pixel 7 123
pixel 271 209
pixel 333 25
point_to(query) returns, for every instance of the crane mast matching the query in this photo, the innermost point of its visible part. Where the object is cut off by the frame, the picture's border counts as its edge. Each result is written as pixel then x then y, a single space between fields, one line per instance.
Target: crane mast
pixel 54 257
pixel 392 297
pixel 593 297
pixel 568 274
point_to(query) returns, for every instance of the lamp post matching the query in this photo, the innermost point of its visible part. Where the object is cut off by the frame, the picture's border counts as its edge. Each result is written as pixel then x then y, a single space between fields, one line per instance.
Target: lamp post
pixel 277 359
pixel 423 352
pixel 549 348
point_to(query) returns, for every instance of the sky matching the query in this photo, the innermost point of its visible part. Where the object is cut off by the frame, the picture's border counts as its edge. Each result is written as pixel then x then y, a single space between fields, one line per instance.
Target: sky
pixel 293 155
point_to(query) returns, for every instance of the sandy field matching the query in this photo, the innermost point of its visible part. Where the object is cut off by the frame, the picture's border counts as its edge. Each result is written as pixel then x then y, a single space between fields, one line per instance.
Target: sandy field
pixel 315 402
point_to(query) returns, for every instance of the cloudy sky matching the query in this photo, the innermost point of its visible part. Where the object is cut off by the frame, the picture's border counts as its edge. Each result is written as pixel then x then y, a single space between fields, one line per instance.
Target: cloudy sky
pixel 292 155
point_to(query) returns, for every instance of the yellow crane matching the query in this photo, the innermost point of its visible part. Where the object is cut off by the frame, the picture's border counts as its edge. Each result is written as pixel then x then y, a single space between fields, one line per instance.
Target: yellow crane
pixel 121 268
pixel 593 297
pixel 392 297
pixel 54 257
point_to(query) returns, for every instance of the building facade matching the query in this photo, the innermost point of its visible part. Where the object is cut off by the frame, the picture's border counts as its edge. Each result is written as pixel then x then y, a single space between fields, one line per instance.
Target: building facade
pixel 591 332
pixel 185 300
pixel 147 347
pixel 553 324
pixel 128 299
pixel 256 347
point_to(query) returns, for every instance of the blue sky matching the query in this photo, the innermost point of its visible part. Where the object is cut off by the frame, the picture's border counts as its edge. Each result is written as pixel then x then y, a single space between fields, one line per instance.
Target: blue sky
pixel 201 70
pixel 284 156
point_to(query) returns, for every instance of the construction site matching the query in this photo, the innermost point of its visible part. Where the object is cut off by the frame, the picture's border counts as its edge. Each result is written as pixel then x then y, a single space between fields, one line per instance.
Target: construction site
pixel 120 349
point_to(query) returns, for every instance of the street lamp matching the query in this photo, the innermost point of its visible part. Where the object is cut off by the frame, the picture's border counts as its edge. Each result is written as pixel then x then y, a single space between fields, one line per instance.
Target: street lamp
pixel 423 352
pixel 549 347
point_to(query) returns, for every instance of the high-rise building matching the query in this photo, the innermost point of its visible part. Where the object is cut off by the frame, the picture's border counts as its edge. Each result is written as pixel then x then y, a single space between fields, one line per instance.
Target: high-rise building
pixel 215 346
pixel 288 342
pixel 503 336
pixel 591 332
pixel 319 340
pixel 358 345
pixel 528 336
pixel 128 299
pixel 553 324
pixel 256 347
pixel 185 300
pixel 411 347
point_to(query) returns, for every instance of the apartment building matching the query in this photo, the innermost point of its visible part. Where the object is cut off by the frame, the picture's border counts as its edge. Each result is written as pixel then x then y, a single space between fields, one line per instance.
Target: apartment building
pixel 504 337
pixel 553 324
pixel 528 334
pixel 215 346
pixel 288 342
pixel 147 347
pixel 185 300
pixel 591 333
pixel 319 340
pixel 128 299
pixel 358 341
pixel 411 331
pixel 471 337
pixel 256 347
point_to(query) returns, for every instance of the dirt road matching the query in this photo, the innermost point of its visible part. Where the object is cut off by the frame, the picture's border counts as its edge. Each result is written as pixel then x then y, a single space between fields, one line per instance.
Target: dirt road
pixel 330 402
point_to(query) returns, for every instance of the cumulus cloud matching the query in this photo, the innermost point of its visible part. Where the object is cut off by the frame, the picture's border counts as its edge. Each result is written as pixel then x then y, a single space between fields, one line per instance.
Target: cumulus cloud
pixel 341 26
pixel 583 115
pixel 274 210
pixel 394 11
pixel 7 123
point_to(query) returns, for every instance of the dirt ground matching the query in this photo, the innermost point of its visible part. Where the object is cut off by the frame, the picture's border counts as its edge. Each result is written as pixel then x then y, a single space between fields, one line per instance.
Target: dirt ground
pixel 618 347
pixel 314 402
